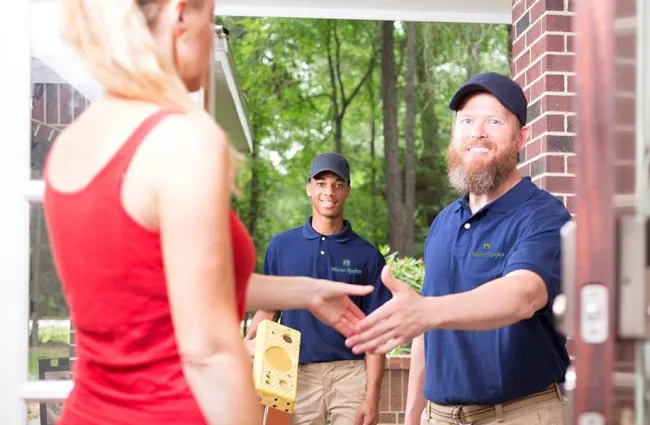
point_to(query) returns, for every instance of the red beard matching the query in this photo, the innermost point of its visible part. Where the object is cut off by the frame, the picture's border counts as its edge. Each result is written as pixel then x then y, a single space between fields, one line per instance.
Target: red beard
pixel 480 176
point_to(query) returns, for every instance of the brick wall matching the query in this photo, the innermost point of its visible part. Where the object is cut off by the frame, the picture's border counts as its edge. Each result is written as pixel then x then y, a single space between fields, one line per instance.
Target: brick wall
pixel 543 53
pixel 393 390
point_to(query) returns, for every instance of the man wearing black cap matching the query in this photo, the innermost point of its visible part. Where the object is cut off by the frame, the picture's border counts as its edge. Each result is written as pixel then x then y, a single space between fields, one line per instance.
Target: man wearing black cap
pixel 331 379
pixel 489 353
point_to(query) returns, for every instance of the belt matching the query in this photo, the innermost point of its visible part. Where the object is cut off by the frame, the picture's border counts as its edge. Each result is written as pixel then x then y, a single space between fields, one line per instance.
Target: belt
pixel 468 414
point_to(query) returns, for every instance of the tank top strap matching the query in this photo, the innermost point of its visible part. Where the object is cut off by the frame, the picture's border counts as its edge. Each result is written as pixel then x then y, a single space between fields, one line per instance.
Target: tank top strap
pixel 119 162
pixel 123 157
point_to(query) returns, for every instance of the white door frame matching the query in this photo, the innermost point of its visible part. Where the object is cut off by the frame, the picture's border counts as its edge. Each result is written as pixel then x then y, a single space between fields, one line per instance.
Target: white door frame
pixel 17 191
pixel 14 220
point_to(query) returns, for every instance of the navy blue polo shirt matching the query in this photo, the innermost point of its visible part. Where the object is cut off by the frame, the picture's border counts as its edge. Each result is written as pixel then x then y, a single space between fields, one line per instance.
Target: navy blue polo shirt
pixel 342 257
pixel 519 230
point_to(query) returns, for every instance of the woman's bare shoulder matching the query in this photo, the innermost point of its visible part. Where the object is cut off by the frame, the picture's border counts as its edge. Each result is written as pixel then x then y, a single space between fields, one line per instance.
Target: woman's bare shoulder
pixel 189 150
pixel 187 131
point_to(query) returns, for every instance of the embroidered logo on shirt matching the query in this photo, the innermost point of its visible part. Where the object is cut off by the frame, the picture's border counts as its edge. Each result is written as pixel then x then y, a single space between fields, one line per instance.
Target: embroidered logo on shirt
pixel 346 268
pixel 486 252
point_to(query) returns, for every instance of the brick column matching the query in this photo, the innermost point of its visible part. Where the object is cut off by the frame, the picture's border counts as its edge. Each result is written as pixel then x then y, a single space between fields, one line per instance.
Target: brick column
pixel 394 390
pixel 543 54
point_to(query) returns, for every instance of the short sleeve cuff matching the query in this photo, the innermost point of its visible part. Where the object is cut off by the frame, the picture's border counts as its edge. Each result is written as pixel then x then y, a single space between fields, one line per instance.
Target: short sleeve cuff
pixel 548 281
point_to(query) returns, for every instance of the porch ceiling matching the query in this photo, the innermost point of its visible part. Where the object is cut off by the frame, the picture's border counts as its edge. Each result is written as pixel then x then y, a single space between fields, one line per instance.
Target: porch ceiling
pixel 474 11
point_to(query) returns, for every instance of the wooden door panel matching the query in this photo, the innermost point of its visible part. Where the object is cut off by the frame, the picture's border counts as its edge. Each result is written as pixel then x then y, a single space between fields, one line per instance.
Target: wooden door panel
pixel 595 232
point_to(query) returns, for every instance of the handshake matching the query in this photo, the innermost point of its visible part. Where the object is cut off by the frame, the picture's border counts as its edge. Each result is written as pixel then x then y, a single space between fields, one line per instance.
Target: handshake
pixel 396 322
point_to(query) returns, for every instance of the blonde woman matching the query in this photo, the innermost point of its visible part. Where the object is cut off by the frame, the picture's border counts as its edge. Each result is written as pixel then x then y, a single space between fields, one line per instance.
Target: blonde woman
pixel 155 266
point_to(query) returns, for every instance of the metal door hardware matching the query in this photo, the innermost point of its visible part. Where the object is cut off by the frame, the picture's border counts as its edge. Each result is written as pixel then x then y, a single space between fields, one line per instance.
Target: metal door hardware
pixel 594 313
pixel 563 304
pixel 591 419
pixel 633 278
pixel 633 275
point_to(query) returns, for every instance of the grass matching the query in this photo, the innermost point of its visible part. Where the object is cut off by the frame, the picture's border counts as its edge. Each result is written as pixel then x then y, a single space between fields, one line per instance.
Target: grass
pixel 45 351
pixel 54 342
pixel 54 334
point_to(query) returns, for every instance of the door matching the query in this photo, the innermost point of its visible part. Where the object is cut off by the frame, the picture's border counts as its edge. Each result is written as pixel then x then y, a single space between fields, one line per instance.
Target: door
pixel 608 380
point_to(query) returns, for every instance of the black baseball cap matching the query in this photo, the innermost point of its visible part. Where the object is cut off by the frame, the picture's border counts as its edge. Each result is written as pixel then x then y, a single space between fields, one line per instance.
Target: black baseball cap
pixel 333 162
pixel 505 89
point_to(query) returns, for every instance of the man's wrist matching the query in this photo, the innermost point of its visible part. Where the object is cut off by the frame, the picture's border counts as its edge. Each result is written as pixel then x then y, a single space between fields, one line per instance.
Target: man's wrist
pixel 372 397
pixel 430 312
pixel 310 291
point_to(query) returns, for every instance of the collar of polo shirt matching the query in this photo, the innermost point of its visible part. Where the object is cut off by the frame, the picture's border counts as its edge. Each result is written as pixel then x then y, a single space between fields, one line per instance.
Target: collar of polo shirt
pixel 506 202
pixel 344 235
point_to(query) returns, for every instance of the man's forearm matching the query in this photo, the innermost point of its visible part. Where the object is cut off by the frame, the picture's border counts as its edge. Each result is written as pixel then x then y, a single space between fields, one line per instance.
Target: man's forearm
pixel 375 365
pixel 498 303
pixel 415 401
pixel 274 293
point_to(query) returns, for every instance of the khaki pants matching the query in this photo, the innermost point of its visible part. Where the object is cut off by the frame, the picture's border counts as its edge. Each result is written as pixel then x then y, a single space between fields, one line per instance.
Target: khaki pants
pixel 338 388
pixel 544 408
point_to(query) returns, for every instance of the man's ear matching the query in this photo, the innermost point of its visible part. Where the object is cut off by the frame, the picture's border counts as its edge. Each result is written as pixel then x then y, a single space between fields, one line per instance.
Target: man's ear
pixel 308 189
pixel 524 134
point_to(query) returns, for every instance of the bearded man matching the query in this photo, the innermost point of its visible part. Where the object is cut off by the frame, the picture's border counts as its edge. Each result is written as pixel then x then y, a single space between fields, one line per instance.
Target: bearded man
pixel 489 353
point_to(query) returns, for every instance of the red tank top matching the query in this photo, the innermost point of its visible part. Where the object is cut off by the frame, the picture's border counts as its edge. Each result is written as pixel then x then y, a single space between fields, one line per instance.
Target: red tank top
pixel 128 369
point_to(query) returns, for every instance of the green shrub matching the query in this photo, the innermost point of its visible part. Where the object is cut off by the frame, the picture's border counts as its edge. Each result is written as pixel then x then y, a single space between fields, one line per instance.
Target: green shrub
pixel 406 269
pixel 409 270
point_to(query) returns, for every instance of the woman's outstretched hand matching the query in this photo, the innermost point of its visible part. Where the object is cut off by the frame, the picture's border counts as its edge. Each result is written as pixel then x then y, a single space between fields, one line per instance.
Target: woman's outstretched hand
pixel 398 321
pixel 332 305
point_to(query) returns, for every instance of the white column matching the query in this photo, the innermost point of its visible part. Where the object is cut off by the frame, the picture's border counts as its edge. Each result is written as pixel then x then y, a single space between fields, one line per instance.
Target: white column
pixel 15 110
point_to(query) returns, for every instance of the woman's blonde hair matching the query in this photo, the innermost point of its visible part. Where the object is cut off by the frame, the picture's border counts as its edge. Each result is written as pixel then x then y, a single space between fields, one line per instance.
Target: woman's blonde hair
pixel 115 39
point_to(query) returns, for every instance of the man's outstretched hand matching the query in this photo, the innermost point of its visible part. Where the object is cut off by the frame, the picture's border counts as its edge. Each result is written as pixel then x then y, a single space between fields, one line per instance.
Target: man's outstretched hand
pixel 332 305
pixel 398 321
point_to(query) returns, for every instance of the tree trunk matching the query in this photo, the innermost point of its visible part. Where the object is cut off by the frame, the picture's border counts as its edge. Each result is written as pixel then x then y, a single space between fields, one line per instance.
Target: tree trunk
pixel 473 56
pixel 427 95
pixel 373 156
pixel 341 101
pixel 510 58
pixel 409 199
pixel 336 115
pixel 427 194
pixel 474 39
pixel 338 134
pixel 391 150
